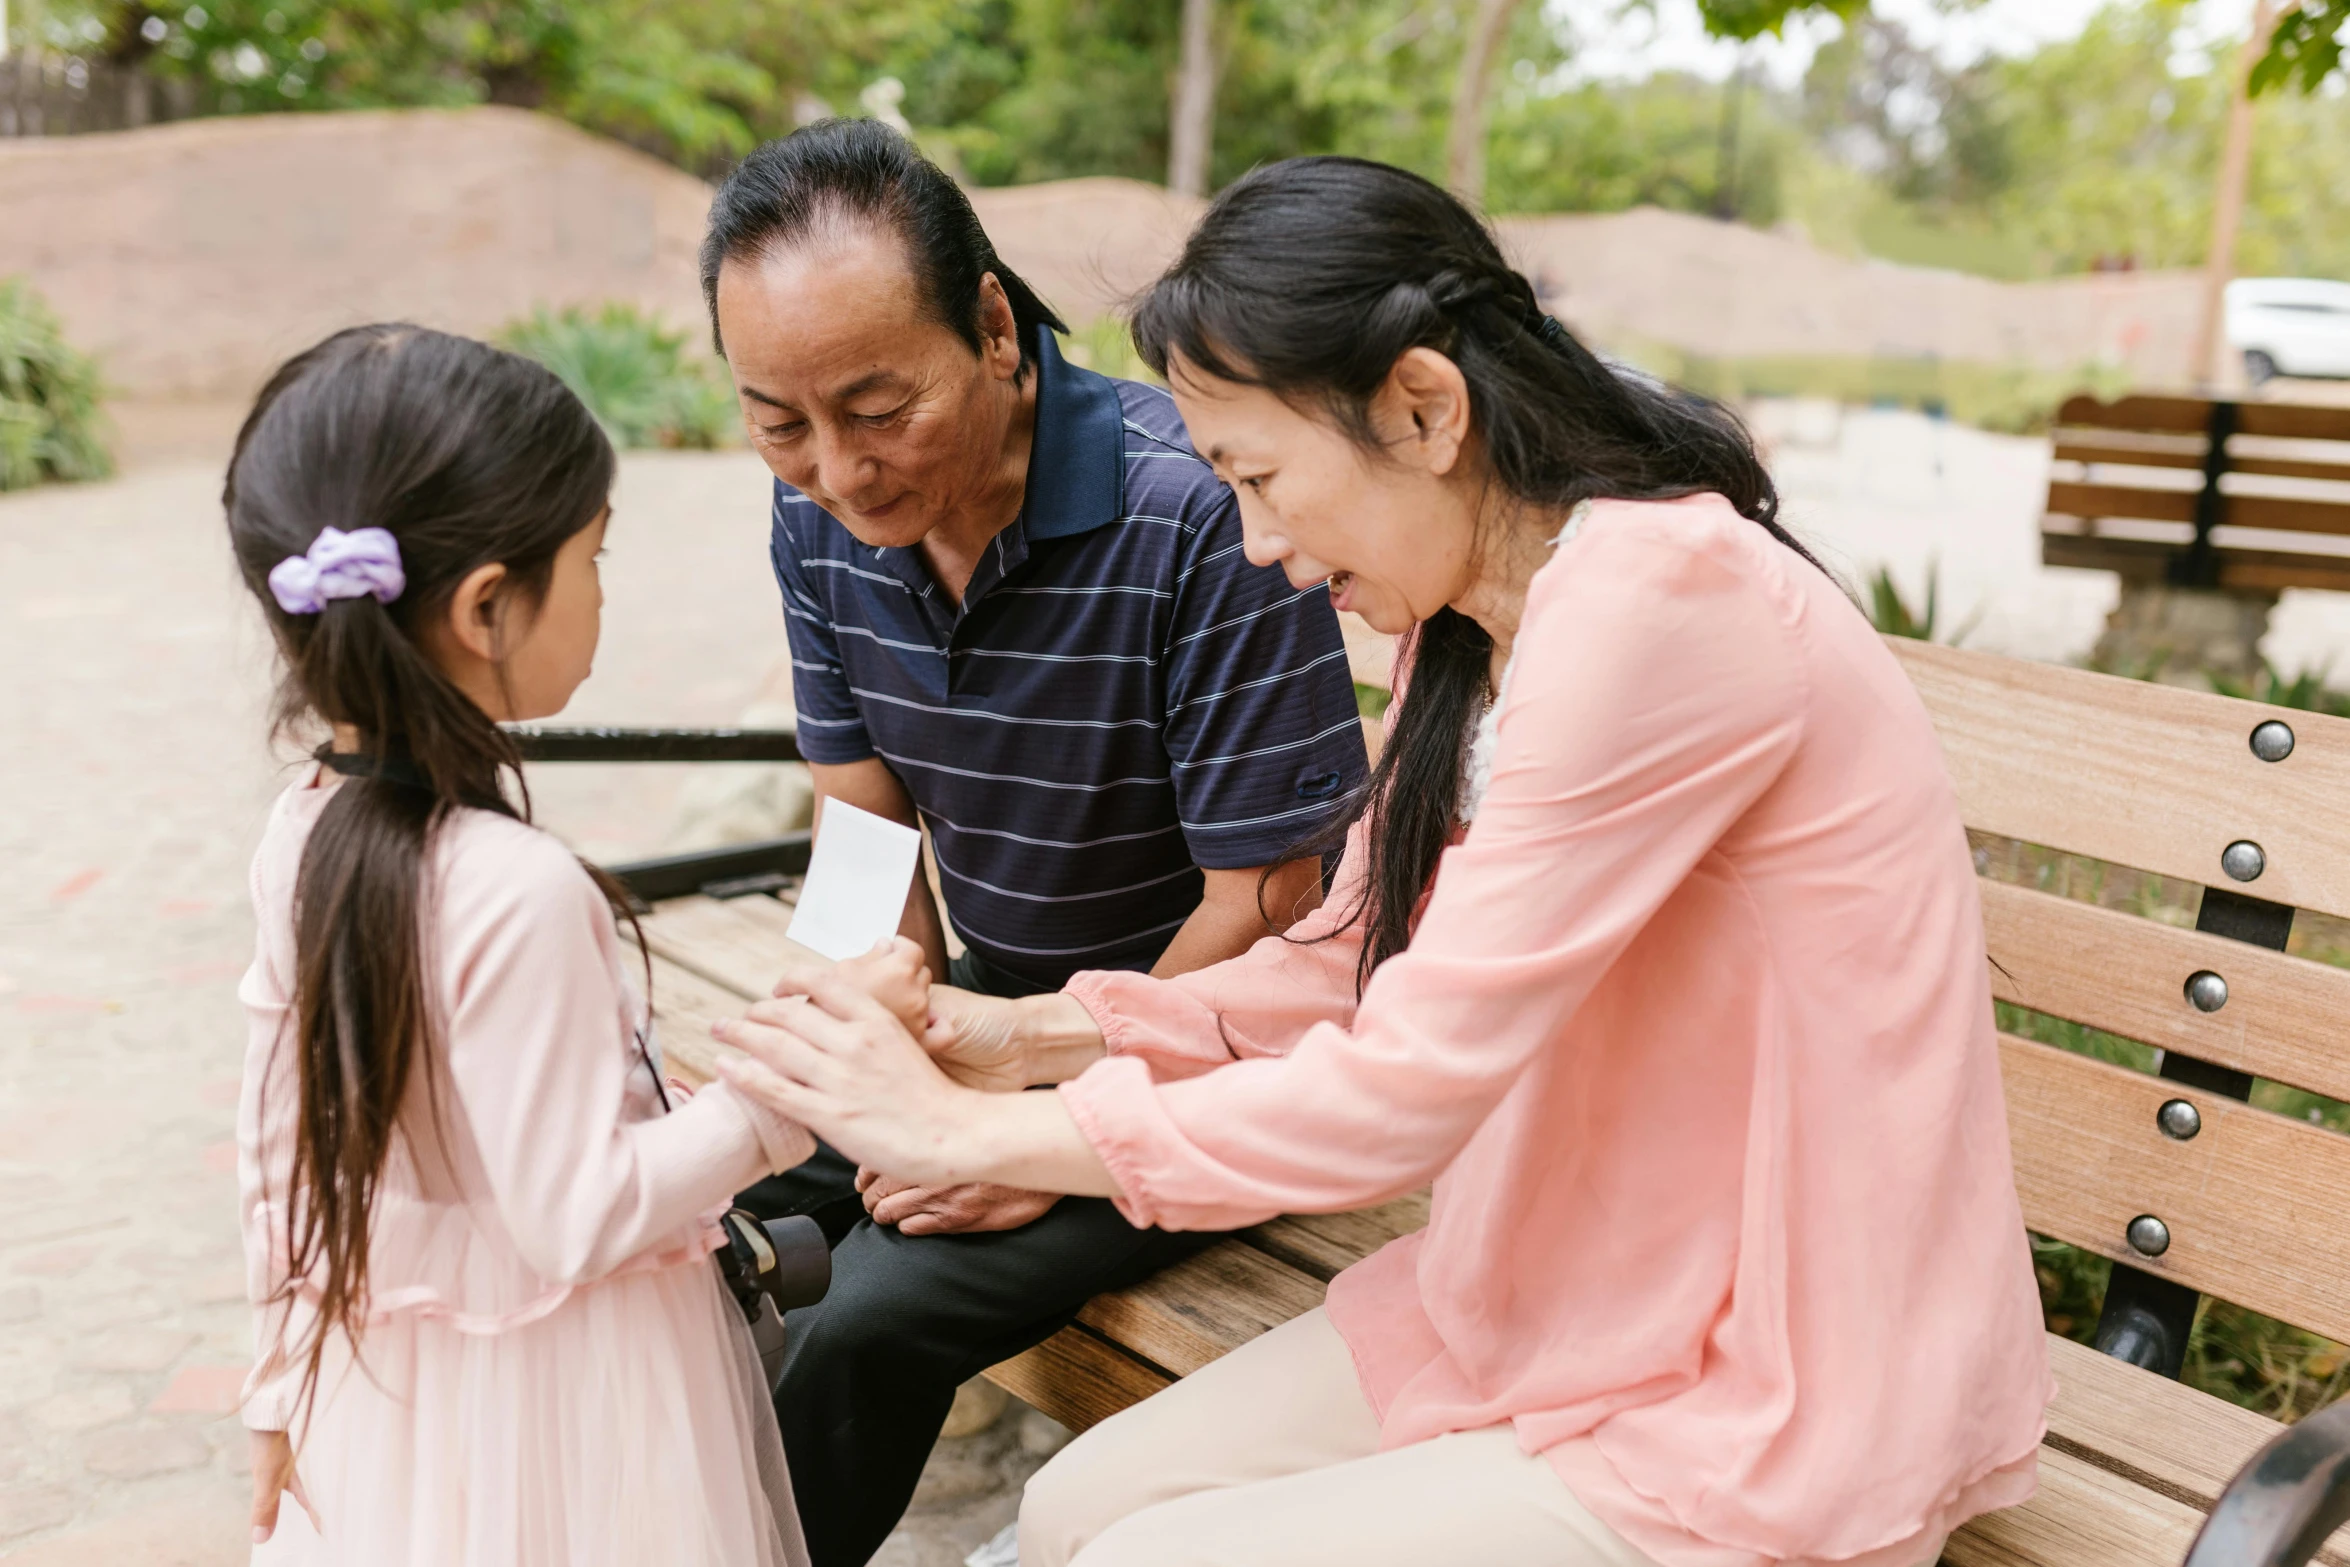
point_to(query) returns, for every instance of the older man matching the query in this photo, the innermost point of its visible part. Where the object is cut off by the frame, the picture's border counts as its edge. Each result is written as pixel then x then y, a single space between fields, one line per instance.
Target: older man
pixel 1019 613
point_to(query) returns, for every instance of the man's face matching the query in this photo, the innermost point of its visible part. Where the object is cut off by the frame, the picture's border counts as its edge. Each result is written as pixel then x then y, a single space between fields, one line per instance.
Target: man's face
pixel 857 398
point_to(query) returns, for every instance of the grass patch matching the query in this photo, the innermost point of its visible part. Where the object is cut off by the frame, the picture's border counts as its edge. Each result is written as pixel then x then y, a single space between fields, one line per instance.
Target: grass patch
pixel 646 385
pixel 50 396
pixel 1371 701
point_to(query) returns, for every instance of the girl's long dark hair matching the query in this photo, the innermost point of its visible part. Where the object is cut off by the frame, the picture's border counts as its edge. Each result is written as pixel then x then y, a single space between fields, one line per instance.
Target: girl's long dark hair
pixel 1310 278
pixel 468 456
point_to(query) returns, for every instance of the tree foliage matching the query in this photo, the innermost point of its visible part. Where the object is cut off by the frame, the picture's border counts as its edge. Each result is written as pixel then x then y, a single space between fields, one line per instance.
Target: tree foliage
pixel 2306 47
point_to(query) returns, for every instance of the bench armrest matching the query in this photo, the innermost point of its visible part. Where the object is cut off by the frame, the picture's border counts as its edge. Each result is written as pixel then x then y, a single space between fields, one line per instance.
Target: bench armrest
pixel 2283 1504
pixel 540 743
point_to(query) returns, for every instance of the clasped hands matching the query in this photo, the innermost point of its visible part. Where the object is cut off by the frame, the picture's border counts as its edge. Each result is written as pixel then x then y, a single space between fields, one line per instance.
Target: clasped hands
pixel 898 1075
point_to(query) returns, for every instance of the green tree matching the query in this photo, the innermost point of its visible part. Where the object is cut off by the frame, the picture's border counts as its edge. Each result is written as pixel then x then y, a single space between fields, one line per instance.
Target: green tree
pixel 2305 48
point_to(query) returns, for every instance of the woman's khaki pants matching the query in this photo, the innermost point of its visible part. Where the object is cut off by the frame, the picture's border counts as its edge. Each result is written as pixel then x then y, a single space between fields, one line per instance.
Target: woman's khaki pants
pixel 1270 1458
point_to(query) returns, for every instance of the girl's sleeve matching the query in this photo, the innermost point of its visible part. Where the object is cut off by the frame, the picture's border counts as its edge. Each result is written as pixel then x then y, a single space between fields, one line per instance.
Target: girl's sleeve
pixel 536 1064
pixel 1659 691
pixel 265 1111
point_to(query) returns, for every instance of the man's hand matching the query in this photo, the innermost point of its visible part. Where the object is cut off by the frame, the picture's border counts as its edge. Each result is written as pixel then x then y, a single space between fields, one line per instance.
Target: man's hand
pixel 273 1479
pixel 978 1039
pixel 950 1210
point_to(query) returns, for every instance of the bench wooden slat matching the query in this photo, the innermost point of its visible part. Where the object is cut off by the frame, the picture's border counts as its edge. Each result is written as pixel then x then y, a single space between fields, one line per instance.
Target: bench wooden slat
pixel 2128 976
pixel 1203 1307
pixel 2192 416
pixel 1078 1378
pixel 1324 1245
pixel 684 1006
pixel 2073 498
pixel 2083 1516
pixel 2162 1434
pixel 2253 1201
pixel 2240 569
pixel 736 942
pixel 2047 755
pixel 2122 453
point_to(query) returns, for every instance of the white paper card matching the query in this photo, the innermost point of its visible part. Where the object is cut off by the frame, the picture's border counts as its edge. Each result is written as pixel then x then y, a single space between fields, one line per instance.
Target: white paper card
pixel 855 892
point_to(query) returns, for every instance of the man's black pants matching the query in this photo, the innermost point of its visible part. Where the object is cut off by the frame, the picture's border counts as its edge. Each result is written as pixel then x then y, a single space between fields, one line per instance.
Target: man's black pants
pixel 870 1372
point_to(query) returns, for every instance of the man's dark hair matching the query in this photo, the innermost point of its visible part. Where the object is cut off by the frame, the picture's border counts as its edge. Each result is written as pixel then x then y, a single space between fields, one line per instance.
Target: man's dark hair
pixel 860 171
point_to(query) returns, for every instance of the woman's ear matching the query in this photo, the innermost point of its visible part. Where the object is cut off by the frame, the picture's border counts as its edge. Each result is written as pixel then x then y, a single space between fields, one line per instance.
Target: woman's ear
pixel 476 613
pixel 1427 402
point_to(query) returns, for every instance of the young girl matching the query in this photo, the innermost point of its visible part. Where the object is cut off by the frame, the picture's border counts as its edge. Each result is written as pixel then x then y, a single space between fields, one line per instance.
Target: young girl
pixel 489 1329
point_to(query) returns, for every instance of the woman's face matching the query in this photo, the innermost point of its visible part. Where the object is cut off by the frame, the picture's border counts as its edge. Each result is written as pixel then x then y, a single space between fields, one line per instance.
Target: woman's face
pixel 1392 531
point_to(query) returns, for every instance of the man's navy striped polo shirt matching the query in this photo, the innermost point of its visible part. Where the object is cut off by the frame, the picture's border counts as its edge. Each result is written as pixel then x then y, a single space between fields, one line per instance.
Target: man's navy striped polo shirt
pixel 1121 699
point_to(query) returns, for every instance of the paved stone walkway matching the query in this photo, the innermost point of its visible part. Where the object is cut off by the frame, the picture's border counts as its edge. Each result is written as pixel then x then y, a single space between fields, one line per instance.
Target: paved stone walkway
pixel 134 774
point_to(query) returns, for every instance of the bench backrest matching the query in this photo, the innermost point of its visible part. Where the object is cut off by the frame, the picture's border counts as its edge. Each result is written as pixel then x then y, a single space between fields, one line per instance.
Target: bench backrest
pixel 2250 496
pixel 2167 791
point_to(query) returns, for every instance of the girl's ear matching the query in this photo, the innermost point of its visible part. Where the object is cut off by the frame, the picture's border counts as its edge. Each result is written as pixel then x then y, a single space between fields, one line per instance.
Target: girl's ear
pixel 476 611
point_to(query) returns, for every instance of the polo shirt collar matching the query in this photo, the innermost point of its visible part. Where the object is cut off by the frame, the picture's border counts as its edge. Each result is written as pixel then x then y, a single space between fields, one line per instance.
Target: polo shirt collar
pixel 1077 459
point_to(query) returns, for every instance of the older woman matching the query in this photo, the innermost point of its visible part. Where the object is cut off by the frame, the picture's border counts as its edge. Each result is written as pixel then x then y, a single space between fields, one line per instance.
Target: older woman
pixel 1656 946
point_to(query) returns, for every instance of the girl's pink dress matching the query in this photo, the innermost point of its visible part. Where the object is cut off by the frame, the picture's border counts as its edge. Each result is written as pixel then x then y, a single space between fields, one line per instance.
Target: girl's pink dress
pixel 1694 1035
pixel 552 1375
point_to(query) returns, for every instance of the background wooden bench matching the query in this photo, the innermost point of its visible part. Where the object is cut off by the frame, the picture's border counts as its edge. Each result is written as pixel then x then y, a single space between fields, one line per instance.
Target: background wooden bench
pixel 2174 1175
pixel 2253 497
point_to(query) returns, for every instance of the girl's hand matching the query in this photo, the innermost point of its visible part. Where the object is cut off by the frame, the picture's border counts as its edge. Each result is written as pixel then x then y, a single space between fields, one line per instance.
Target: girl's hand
pixel 842 1063
pixel 273 1478
pixel 893 973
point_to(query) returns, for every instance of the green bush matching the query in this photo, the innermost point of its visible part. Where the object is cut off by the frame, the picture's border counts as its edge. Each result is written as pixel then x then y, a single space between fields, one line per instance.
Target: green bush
pixel 643 382
pixel 49 396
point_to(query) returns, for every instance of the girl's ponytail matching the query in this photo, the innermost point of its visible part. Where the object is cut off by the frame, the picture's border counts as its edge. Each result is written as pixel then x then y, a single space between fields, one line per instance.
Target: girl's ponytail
pixel 456 456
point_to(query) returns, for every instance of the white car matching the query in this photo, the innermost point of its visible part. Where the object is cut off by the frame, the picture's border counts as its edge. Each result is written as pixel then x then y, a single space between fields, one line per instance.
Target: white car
pixel 2289 326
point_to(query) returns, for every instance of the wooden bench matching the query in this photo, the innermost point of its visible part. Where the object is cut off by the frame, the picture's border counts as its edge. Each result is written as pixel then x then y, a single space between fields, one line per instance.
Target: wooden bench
pixel 2253 497
pixel 2173 1175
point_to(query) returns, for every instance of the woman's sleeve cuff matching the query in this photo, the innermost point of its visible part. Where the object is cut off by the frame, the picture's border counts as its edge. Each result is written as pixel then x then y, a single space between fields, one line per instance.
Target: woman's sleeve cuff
pixel 1101 1100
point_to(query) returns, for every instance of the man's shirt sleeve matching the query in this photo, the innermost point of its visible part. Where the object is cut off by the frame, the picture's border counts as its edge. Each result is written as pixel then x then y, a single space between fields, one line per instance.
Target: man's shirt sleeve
pixel 1262 730
pixel 830 727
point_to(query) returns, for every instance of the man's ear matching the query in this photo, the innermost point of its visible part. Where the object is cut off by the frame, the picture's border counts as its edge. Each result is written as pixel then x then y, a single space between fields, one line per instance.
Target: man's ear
pixel 1426 404
pixel 999 329
pixel 475 617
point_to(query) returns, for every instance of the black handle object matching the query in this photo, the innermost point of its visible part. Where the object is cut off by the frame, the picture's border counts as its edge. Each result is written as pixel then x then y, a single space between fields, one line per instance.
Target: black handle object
pixel 803 1262
pixel 783 1260
pixel 2285 1503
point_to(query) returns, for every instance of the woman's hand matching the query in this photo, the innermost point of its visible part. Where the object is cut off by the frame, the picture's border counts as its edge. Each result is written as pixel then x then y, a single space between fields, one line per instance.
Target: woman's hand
pixel 838 1062
pixel 842 1063
pixel 273 1479
pixel 986 1042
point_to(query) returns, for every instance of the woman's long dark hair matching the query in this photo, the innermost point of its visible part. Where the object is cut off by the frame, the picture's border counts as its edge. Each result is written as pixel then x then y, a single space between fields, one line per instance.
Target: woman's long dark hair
pixel 467 456
pixel 1310 278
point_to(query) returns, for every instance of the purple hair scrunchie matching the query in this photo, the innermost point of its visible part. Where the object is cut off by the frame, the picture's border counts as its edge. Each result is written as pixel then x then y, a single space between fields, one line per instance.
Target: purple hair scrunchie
pixel 364 563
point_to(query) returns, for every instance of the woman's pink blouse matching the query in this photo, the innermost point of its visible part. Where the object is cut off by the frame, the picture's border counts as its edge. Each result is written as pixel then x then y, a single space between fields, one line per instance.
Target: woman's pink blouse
pixel 1694 1036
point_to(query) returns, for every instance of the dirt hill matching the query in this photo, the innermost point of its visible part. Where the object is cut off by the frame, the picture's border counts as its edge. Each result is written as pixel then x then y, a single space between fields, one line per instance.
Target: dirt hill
pixel 195 256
